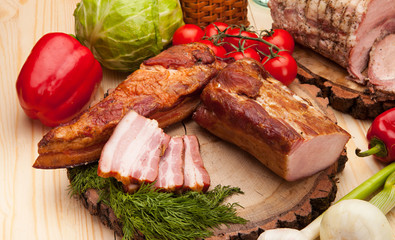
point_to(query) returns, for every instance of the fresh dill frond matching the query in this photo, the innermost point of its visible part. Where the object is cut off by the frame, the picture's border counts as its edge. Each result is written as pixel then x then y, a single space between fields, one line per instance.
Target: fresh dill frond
pixel 160 215
pixel 85 177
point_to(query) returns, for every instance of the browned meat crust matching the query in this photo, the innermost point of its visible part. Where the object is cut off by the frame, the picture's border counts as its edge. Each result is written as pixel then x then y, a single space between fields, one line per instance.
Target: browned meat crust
pixel 166 88
pixel 244 106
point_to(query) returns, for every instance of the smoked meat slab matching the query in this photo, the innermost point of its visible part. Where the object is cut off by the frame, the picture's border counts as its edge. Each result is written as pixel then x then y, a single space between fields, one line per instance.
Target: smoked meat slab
pixel 165 88
pixel 268 200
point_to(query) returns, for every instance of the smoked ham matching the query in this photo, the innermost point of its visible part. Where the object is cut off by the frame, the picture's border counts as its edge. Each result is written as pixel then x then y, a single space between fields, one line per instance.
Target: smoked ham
pixel 380 74
pixel 343 31
pixel 245 106
pixel 165 88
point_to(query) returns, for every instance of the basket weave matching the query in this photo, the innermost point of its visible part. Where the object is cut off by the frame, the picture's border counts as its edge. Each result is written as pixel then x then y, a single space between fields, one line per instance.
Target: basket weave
pixel 204 12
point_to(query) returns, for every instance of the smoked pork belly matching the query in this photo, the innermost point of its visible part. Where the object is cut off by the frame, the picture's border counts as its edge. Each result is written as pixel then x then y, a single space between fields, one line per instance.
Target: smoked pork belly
pixel 196 177
pixel 245 106
pixel 341 30
pixel 133 152
pixel 165 88
pixel 182 167
pixel 171 166
pixel 139 152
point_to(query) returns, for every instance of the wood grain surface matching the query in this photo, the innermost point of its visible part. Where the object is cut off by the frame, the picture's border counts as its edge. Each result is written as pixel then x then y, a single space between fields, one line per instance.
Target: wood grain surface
pixel 344 95
pixel 34 204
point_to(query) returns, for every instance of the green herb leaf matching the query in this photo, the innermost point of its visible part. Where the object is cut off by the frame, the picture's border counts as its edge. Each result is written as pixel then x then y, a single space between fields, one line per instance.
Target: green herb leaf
pixel 160 215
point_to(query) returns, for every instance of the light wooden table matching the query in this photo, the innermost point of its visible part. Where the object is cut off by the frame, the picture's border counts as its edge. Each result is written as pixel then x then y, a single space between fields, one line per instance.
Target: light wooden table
pixel 34 204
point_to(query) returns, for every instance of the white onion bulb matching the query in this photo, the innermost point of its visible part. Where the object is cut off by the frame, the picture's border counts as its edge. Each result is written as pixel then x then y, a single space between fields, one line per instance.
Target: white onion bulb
pixel 354 220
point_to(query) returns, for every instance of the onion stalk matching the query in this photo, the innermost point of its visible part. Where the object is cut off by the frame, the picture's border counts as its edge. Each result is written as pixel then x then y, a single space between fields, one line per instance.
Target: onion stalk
pixel 385 201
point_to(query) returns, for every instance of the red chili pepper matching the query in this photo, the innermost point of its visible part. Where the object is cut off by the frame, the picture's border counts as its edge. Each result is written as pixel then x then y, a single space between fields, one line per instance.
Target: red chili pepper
pixel 381 136
pixel 58 79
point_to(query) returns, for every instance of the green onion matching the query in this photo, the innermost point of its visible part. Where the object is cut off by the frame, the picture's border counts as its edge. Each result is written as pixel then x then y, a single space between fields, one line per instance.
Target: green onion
pixel 385 199
pixel 363 191
pixel 371 185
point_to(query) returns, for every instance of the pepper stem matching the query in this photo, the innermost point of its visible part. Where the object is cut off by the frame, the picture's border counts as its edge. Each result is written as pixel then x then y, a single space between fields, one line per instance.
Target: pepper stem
pixel 378 148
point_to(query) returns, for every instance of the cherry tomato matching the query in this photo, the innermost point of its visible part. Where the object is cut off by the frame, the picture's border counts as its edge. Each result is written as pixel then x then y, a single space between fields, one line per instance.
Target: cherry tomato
pixel 234 41
pixel 248 52
pixel 187 33
pixel 212 29
pixel 281 38
pixel 219 51
pixel 282 68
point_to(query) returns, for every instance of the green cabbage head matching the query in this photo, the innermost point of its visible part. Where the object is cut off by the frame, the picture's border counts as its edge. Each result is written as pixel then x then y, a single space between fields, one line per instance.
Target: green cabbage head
pixel 123 33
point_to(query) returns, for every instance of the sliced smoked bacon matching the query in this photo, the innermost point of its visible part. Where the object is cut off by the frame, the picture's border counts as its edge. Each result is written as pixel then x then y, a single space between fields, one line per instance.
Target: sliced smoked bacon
pixel 171 166
pixel 139 152
pixel 196 177
pixel 341 30
pixel 245 106
pixel 165 88
pixel 133 152
pixel 182 167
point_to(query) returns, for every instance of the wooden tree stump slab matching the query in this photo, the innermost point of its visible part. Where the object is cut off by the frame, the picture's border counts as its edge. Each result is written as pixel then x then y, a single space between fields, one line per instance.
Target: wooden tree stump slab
pixel 268 201
pixel 343 94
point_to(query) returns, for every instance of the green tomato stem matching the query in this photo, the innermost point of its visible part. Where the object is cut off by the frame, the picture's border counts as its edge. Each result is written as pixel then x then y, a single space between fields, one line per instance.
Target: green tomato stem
pixel 385 199
pixel 255 39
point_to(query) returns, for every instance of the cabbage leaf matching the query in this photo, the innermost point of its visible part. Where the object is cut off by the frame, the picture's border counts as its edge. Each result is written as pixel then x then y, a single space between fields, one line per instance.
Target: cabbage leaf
pixel 123 33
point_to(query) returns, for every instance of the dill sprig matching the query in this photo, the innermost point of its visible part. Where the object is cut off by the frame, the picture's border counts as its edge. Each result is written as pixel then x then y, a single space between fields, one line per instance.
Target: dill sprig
pixel 160 215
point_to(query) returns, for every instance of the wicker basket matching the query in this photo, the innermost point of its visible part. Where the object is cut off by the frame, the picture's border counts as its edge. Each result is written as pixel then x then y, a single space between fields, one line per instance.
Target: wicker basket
pixel 204 12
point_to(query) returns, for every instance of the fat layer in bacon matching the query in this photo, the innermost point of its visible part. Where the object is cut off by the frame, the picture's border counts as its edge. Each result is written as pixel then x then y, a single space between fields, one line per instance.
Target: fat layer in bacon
pixel 133 152
pixel 140 152
pixel 171 166
pixel 196 177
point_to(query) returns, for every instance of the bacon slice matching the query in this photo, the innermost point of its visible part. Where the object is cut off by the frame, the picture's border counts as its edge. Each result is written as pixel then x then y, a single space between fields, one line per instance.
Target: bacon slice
pixel 139 152
pixel 166 88
pixel 196 177
pixel 133 152
pixel 171 166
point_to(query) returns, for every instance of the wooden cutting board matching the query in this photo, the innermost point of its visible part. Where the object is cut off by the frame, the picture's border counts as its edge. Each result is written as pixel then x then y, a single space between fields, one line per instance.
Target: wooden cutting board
pixel 344 94
pixel 268 201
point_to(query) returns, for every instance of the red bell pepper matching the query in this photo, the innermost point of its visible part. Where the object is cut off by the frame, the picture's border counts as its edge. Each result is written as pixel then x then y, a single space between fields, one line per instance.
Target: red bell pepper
pixel 58 79
pixel 381 136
